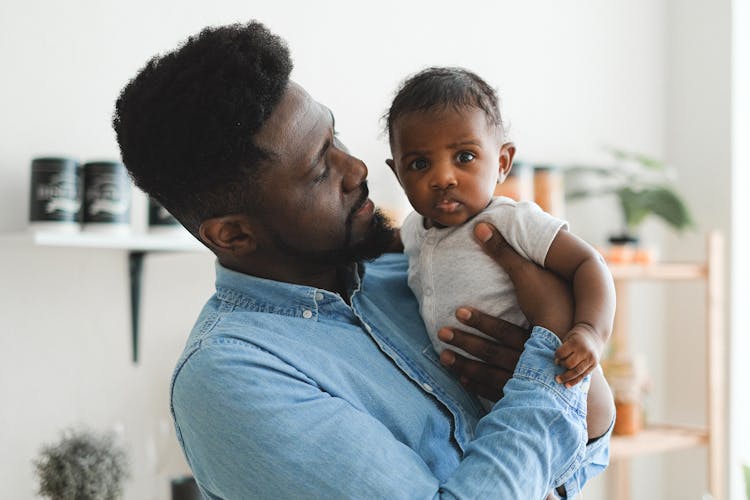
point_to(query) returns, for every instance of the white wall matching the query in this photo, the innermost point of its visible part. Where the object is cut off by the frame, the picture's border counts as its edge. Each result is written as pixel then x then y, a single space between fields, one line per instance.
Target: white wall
pixel 740 342
pixel 573 76
pixel 697 141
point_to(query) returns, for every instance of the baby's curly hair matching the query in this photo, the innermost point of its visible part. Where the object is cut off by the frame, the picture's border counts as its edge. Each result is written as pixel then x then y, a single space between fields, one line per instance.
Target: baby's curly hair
pixel 186 124
pixel 442 87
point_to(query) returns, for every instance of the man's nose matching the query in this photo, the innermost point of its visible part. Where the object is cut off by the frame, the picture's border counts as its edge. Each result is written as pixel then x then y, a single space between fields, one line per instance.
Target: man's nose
pixel 443 176
pixel 355 172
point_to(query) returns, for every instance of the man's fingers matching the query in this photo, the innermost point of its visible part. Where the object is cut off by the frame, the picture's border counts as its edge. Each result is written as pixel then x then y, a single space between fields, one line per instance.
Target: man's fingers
pixel 508 334
pixel 487 392
pixel 488 351
pixel 475 372
pixel 496 247
pixel 555 311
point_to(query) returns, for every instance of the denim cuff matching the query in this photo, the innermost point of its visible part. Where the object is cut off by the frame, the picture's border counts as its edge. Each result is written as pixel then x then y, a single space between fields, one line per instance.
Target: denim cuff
pixel 538 363
pixel 595 461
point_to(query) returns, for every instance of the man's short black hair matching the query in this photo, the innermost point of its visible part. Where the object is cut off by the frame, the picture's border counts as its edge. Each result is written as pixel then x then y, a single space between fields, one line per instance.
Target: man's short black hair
pixel 186 124
pixel 442 87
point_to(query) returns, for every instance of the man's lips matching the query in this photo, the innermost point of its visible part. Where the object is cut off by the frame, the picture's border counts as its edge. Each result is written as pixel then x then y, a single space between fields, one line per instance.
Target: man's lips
pixel 364 204
pixel 367 208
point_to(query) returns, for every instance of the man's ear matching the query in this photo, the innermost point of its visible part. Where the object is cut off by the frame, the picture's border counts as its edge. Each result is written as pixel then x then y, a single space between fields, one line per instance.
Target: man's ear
pixel 229 234
pixel 505 160
pixel 392 165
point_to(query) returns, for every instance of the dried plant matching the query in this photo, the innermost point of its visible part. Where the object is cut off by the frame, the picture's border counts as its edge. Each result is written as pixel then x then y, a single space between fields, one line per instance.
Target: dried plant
pixel 83 465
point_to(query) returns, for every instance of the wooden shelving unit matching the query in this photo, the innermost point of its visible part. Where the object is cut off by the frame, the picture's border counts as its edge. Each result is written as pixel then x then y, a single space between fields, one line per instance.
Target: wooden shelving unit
pixel 658 439
pixel 665 438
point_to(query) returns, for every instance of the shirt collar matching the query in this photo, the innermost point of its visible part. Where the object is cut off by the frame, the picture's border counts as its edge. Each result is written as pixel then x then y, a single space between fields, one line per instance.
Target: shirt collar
pixel 260 294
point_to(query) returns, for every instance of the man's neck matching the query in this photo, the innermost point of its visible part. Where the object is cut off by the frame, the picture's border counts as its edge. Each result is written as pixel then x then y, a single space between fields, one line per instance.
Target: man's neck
pixel 325 277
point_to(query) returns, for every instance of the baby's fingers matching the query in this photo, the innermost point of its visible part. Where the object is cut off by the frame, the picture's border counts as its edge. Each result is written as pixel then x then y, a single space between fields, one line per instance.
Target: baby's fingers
pixel 575 374
pixel 564 353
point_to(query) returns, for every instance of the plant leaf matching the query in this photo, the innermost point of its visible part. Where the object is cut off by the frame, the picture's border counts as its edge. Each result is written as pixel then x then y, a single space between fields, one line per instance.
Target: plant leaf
pixel 649 162
pixel 659 201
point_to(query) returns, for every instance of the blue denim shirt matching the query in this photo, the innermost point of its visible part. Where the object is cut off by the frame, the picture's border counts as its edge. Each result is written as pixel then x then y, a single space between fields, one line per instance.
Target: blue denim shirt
pixel 286 391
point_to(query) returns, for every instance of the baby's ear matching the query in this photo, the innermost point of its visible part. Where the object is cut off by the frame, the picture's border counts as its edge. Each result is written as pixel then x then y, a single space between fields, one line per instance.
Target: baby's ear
pixel 505 159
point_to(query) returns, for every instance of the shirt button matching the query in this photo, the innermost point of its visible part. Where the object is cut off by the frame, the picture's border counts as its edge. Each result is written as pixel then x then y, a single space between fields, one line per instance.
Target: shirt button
pixel 427 387
pixel 318 296
pixel 428 292
pixel 307 314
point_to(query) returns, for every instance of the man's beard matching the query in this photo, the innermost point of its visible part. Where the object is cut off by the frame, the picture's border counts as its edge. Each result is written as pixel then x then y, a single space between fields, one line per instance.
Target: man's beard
pixel 377 240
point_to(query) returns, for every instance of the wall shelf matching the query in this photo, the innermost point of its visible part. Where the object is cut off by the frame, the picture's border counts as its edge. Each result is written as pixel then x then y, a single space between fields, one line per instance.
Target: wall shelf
pixel 659 272
pixel 137 245
pixel 135 242
pixel 657 439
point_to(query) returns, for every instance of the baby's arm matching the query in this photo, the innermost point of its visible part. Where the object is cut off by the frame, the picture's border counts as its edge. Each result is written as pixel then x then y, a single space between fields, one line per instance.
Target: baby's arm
pixel 594 293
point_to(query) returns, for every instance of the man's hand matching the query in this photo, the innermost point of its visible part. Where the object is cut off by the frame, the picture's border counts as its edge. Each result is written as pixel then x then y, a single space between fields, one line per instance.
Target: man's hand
pixel 545 299
pixel 486 378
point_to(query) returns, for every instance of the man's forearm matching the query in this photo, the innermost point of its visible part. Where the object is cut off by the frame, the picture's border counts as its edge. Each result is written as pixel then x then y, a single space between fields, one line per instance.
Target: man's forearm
pixel 533 439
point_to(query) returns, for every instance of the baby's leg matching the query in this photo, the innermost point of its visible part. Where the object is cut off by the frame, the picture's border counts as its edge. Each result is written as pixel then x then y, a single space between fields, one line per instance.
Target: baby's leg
pixel 600 405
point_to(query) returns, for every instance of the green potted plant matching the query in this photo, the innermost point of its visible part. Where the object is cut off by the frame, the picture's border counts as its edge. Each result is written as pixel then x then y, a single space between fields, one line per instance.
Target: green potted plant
pixel 83 465
pixel 642 186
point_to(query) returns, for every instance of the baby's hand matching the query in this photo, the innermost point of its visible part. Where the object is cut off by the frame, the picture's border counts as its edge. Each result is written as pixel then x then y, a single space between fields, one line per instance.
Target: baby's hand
pixel 580 353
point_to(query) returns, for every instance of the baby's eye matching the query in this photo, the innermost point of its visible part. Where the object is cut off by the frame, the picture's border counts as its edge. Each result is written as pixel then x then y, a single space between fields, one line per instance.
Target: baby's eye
pixel 418 164
pixel 465 157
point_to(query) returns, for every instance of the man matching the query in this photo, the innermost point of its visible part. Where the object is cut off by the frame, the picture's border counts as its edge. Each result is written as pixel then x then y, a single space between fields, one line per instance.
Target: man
pixel 309 373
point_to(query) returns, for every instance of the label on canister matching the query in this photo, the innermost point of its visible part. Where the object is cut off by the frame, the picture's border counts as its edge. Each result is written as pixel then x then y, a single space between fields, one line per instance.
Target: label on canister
pixel 55 191
pixel 107 193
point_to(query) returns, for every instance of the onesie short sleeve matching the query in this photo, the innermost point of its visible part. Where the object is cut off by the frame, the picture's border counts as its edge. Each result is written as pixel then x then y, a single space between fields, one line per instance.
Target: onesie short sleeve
pixel 525 226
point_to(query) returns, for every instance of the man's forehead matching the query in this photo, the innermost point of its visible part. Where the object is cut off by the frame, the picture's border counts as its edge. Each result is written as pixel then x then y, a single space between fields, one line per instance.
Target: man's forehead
pixel 294 119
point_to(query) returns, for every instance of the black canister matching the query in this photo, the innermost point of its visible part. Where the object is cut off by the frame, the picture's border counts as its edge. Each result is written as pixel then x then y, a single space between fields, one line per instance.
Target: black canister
pixel 159 219
pixel 107 197
pixel 55 197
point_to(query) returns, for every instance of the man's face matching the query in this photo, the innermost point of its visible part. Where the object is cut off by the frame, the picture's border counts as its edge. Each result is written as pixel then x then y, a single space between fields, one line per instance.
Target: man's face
pixel 315 197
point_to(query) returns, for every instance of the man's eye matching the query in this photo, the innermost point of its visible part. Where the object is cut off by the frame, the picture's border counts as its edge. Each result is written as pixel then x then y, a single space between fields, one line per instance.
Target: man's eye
pixel 465 157
pixel 418 164
pixel 322 175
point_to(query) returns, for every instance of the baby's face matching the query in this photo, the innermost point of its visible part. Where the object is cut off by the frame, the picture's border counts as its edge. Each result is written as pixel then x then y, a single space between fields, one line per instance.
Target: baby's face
pixel 448 161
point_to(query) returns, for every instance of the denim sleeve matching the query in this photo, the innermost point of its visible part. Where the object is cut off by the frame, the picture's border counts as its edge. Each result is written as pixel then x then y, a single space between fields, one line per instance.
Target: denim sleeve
pixel 534 438
pixel 596 460
pixel 255 427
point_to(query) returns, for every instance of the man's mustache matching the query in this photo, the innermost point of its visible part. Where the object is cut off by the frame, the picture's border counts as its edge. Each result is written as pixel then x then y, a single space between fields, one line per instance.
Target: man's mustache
pixel 362 199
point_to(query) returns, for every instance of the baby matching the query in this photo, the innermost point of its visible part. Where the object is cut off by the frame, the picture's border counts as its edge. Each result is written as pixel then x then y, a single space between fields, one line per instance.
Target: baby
pixel 449 153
